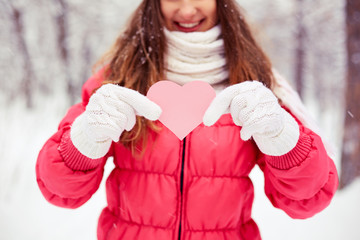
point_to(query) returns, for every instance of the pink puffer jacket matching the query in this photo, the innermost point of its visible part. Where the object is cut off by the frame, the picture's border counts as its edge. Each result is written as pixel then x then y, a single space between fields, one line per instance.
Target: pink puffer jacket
pixel 193 189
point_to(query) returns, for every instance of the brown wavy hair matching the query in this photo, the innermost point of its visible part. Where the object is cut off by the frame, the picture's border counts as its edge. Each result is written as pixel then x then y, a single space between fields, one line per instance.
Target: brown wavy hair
pixel 136 60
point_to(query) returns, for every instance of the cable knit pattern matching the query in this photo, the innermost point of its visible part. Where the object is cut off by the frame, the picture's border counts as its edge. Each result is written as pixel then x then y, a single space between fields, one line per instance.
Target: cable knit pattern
pixel 110 111
pixel 254 107
pixel 195 56
pixel 281 143
pixel 84 143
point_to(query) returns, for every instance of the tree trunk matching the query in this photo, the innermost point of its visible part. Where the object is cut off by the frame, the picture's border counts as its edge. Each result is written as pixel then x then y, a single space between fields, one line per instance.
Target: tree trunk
pixel 300 48
pixel 350 162
pixel 62 24
pixel 28 76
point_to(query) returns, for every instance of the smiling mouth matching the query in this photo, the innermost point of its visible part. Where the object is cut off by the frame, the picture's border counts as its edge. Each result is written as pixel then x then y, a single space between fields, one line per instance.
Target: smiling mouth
pixel 189 27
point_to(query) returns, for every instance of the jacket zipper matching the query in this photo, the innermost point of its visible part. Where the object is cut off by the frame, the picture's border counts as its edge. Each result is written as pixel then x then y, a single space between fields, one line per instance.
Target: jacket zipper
pixel 181 185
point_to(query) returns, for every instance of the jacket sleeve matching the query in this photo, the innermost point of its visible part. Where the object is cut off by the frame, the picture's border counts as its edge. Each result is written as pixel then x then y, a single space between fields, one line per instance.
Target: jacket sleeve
pixel 303 181
pixel 65 177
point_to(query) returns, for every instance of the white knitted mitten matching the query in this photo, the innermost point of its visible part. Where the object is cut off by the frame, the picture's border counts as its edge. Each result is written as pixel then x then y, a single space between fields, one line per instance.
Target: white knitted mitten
pixel 110 111
pixel 254 107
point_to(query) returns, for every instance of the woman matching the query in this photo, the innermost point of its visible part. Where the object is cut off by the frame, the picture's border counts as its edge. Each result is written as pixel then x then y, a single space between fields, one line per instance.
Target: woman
pixel 196 188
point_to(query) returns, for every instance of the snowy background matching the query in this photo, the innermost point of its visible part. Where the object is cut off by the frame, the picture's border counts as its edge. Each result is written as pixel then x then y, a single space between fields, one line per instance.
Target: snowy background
pixel 32 57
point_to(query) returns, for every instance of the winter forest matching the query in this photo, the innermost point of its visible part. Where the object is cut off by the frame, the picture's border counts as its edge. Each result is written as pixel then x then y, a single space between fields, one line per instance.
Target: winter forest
pixel 48 49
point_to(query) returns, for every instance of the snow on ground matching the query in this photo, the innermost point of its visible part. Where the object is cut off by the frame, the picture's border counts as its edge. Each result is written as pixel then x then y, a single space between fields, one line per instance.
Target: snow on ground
pixel 25 214
pixel 338 221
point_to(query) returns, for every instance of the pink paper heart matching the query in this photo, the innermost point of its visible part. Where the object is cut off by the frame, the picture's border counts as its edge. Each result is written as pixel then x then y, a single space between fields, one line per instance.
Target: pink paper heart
pixel 183 107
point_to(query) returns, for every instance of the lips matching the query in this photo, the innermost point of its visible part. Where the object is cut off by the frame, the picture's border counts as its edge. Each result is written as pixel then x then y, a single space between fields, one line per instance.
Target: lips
pixel 188 27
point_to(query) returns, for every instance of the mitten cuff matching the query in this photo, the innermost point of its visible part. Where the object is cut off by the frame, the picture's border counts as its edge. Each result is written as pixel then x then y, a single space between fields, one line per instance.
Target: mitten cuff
pixel 73 158
pixel 82 142
pixel 282 143
pixel 293 158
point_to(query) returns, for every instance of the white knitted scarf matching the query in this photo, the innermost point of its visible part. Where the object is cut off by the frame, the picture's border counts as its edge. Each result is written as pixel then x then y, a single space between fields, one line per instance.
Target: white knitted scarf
pixel 195 56
pixel 200 56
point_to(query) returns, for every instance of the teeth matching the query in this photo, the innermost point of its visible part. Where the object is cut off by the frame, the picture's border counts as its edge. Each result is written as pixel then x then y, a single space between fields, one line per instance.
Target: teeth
pixel 189 25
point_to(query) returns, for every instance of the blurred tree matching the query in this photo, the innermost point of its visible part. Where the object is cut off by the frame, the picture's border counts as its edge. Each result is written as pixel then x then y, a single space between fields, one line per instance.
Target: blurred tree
pixel 62 24
pixel 299 61
pixel 27 81
pixel 350 164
